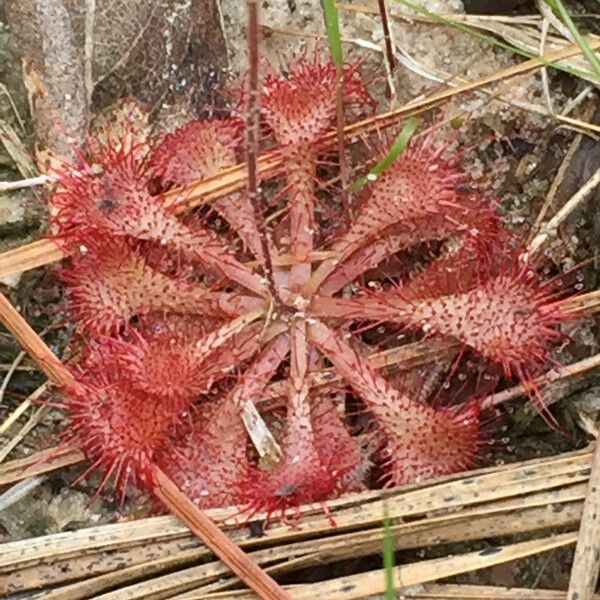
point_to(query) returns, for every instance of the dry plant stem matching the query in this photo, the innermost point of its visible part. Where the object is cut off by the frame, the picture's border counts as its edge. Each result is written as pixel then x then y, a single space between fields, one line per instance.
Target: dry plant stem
pixel 4 90
pixel 39 463
pixel 362 585
pixel 223 547
pixel 548 14
pixel 586 304
pixel 33 344
pixel 216 540
pixel 510 499
pixel 340 121
pixel 560 175
pixel 544 72
pixel 19 491
pixel 252 136
pixel 335 47
pixel 252 388
pixel 586 563
pixel 17 150
pixel 271 164
pixel 551 227
pixel 283 555
pixel 10 373
pixel 389 45
pixel 31 256
pixel 451 591
pixel 33 420
pixel 8 186
pixel 574 102
pixel 287 553
pixel 579 126
pixel 12 418
pixel 573 370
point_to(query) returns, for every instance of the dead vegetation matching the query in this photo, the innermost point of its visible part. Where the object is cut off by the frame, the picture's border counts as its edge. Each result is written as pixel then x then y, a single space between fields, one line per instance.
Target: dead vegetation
pixel 460 525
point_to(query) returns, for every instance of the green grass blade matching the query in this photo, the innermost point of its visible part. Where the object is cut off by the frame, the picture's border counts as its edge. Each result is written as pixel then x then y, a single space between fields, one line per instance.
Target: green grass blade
pixel 559 8
pixel 396 150
pixel 332 26
pixel 490 39
pixel 388 556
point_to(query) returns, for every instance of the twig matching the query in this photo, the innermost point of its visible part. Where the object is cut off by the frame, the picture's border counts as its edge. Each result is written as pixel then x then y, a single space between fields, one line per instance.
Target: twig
pixel 6 92
pixel 10 373
pixel 551 18
pixel 30 256
pixel 20 368
pixel 17 492
pixel 576 101
pixel 12 418
pixel 12 370
pixel 7 186
pixel 372 583
pixel 252 135
pixel 387 34
pixel 538 578
pixel 41 462
pixel 551 227
pixel 390 61
pixel 34 419
pixel 586 563
pixel 332 25
pixel 544 71
pixel 340 123
pixel 259 433
pixel 17 150
pixel 33 344
pixel 560 175
pixel 572 370
pixel 588 129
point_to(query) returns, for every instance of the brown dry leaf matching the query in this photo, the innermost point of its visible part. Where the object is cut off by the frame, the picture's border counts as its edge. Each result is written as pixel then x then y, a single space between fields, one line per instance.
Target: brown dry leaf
pixel 84 55
pixel 159 52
